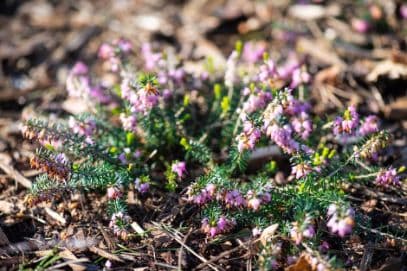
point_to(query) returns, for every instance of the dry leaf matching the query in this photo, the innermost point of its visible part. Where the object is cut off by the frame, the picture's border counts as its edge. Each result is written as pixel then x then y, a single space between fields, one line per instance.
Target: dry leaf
pixel 303 264
pixel 328 76
pixel 389 69
pixel 268 233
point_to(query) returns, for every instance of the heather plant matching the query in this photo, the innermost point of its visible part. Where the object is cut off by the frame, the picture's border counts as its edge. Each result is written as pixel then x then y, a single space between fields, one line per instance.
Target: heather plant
pixel 211 136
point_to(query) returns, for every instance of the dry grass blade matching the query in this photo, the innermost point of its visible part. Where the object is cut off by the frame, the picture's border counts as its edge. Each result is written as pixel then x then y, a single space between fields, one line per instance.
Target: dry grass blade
pixel 105 254
pixel 174 234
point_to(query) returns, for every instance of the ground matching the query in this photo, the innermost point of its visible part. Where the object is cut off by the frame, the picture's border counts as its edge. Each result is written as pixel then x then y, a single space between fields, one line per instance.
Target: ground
pixel 39 42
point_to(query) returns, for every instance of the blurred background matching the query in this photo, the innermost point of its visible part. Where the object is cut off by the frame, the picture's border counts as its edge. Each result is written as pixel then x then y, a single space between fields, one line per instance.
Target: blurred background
pixel 356 50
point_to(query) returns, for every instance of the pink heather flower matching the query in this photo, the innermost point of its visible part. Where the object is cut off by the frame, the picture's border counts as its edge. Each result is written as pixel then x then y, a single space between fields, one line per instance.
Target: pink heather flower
pixel 283 138
pixel 302 230
pixel 299 77
pixel 151 59
pixel 86 128
pixel 117 222
pixel 177 75
pixel 106 51
pixel 124 45
pixel 257 100
pixel 80 68
pixel 123 158
pixel 108 264
pixel 129 122
pixel 285 72
pixel 167 94
pixel 266 197
pixel 99 94
pixel 301 170
pixel 230 72
pixel 222 223
pixel 248 138
pixel 403 11
pixel 348 123
pixel 309 232
pixel 324 247
pixel 62 159
pixel 140 186
pixel 179 168
pixel 253 51
pixel 141 101
pixel 341 221
pixel 302 125
pixel 234 199
pixel 253 201
pixel 213 231
pixel 388 177
pixel 369 125
pixel 360 25
pixel 78 81
pixel 113 192
pixel 267 71
pixel 211 189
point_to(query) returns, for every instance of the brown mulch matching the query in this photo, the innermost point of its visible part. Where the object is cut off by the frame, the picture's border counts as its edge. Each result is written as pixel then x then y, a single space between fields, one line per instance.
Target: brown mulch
pixel 40 40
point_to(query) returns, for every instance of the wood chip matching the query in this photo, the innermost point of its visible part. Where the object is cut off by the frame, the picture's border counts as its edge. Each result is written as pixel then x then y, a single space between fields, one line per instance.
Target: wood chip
pixel 55 215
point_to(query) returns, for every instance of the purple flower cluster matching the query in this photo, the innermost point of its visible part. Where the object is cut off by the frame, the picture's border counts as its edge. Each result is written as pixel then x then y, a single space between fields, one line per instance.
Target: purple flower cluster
pixel 141 186
pixel 114 192
pixel 203 196
pixel 346 124
pixel 302 230
pixel 78 85
pixel 388 177
pixel 290 71
pixel 129 122
pixel 118 223
pixel 248 138
pixel 141 99
pixel 213 228
pixel 179 168
pixel 369 125
pixel 151 59
pixel 230 198
pixel 286 106
pixel 257 100
pixel 253 51
pixel 78 81
pixel 86 128
pixel 113 53
pixel 302 169
pixel 341 220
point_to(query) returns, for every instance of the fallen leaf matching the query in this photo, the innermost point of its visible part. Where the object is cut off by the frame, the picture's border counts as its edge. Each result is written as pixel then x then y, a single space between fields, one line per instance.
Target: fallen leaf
pixel 303 264
pixel 389 69
pixel 268 233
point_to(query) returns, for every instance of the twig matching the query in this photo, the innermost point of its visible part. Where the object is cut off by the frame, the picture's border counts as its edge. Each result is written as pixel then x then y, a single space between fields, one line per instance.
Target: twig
pixel 83 260
pixel 221 255
pixel 55 215
pixel 181 250
pixel 383 234
pixel 178 239
pixel 10 171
